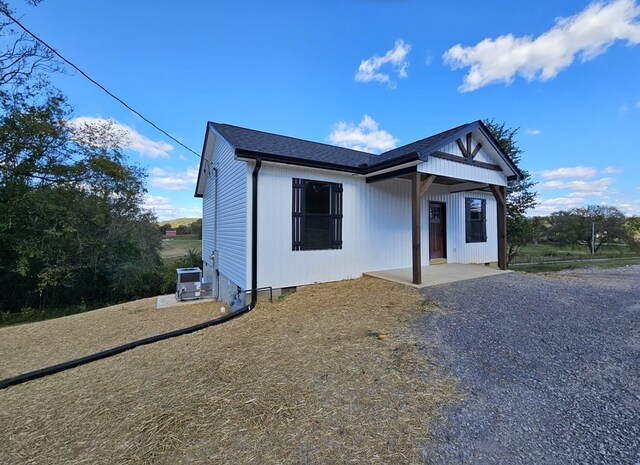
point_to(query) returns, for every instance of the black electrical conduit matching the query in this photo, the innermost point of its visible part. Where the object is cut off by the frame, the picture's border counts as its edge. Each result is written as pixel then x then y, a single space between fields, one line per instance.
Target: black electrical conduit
pixel 31 375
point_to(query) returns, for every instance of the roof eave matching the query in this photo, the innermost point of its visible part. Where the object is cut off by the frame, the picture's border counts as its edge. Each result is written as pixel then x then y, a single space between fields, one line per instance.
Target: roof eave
pixel 362 170
pixel 516 171
pixel 202 160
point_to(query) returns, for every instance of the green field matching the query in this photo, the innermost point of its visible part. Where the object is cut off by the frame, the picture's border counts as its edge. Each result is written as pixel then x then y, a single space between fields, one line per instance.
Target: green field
pixel 176 247
pixel 548 252
pixel 606 263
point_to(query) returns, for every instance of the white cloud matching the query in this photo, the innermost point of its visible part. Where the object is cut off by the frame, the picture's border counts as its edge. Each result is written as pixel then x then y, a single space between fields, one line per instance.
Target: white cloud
pixel 597 187
pixel 164 210
pixel 130 138
pixel 365 136
pixel 587 34
pixel 574 172
pixel 175 180
pixel 369 69
pixel 547 206
pixel 628 207
pixel 533 132
pixel 611 170
pixel 637 105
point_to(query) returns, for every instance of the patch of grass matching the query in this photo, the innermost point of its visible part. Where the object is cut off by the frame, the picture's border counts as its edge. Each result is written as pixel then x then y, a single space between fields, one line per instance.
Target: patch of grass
pixel 134 310
pixel 548 267
pixel 428 304
pixel 546 251
pixel 177 247
pixel 31 315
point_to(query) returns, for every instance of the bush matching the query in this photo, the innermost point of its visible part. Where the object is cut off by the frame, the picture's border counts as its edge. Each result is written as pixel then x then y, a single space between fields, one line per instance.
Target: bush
pixel 167 272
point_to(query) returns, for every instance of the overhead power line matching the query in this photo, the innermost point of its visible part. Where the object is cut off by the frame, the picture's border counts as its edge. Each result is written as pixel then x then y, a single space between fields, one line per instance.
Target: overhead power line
pixel 104 89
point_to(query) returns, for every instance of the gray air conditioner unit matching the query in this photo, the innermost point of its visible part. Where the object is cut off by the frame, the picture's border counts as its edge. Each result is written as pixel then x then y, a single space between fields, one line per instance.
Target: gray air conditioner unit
pixel 188 284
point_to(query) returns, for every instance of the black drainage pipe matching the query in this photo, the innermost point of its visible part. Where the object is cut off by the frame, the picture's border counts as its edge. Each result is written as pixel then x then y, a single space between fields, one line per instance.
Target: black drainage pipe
pixel 254 231
pixel 23 378
pixel 31 375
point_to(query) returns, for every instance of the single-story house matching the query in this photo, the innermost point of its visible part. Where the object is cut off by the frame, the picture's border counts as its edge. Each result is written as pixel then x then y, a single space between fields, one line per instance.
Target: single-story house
pixel 170 233
pixel 285 212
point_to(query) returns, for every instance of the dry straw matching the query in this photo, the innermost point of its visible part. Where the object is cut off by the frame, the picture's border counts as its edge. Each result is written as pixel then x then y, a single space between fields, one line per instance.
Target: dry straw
pixel 331 374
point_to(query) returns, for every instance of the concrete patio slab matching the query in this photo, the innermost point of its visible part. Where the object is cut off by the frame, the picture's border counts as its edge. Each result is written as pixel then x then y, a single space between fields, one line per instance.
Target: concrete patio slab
pixel 437 274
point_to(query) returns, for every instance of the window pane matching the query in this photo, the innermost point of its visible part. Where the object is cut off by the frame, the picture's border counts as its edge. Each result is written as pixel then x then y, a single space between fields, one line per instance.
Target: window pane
pixel 476 226
pixel 317 232
pixel 475 209
pixel 317 197
pixel 476 231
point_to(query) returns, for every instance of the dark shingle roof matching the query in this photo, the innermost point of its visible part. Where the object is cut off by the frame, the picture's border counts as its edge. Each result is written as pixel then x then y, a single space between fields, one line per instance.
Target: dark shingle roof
pixel 290 150
pixel 422 146
pixel 275 144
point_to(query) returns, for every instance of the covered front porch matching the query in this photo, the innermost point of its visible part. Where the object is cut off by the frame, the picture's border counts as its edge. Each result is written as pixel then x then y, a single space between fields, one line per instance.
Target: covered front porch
pixel 437 274
pixel 438 211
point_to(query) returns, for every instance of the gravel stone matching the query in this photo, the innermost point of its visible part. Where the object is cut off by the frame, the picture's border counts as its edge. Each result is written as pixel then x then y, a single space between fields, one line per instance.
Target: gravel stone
pixel 549 366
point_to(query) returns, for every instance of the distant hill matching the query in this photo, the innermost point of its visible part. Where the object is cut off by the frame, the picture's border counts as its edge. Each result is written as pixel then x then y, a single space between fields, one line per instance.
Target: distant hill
pixel 178 222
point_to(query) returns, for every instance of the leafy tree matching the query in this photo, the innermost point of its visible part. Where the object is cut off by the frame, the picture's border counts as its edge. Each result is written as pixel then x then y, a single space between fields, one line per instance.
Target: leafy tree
pixel 72 227
pixel 71 221
pixel 520 194
pixel 574 227
pixel 183 230
pixel 633 227
pixel 24 62
pixel 196 228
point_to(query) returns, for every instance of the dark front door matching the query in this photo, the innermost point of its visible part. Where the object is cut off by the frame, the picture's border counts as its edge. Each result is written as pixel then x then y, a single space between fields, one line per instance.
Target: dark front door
pixel 437 231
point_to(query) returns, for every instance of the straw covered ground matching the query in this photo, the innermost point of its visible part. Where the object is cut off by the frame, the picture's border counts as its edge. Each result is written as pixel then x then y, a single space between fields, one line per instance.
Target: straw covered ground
pixel 330 374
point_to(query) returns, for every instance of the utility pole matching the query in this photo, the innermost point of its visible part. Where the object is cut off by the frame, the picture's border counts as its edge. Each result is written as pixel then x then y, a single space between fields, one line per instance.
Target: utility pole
pixel 593 238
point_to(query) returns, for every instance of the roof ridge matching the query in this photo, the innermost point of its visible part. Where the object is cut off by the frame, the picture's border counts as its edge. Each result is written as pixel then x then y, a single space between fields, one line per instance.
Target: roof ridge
pixel 294 138
pixel 429 137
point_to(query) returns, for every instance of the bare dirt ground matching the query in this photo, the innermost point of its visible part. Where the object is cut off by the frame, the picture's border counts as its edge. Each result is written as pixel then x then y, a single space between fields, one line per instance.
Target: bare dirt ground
pixel 331 374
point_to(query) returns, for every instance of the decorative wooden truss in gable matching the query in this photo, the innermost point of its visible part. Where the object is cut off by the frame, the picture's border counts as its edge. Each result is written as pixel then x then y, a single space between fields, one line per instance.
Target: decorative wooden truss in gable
pixel 468 154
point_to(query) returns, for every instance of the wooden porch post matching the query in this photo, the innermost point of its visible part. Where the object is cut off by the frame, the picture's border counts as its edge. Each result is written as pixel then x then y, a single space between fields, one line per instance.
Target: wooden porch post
pixel 418 189
pixel 499 192
pixel 415 228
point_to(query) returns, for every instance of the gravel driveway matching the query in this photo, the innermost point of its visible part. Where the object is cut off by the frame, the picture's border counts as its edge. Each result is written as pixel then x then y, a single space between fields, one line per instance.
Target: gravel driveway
pixel 549 365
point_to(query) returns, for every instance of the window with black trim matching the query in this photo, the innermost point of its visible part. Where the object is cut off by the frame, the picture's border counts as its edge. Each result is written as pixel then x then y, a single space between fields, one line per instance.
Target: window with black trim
pixel 316 215
pixel 475 213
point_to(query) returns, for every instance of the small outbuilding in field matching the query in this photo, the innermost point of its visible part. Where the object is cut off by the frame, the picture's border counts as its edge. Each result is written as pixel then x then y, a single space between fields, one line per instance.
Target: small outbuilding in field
pixel 283 212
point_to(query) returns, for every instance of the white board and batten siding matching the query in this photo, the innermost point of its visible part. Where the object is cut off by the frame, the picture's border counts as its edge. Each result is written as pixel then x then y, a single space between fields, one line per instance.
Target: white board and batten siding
pixel 389 226
pixel 458 250
pixel 463 170
pixel 454 169
pixel 376 228
pixel 231 215
pixel 280 266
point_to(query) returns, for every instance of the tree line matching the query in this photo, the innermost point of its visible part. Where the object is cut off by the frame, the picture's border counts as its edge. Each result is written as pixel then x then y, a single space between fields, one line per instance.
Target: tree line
pixel 576 228
pixel 73 230
pixel 586 228
pixel 194 228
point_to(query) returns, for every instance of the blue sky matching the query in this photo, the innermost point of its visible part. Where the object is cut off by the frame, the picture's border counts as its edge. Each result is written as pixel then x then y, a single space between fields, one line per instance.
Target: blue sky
pixel 368 74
